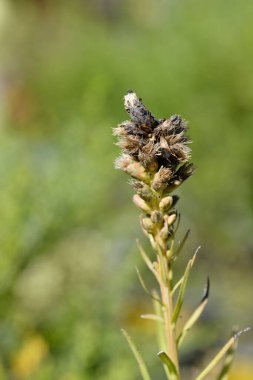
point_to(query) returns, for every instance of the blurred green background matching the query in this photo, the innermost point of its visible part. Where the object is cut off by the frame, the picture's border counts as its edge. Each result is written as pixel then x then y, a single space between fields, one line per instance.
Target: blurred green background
pixel 68 227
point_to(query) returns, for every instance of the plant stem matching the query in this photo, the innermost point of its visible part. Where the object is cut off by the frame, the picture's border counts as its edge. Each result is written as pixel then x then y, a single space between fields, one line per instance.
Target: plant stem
pixel 165 269
pixel 168 326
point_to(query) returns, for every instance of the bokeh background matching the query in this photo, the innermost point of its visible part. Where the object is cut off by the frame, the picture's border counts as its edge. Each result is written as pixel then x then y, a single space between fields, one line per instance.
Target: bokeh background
pixel 68 227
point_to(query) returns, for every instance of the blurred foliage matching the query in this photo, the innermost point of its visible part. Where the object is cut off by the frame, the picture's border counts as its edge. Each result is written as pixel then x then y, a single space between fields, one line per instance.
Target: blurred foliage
pixel 67 251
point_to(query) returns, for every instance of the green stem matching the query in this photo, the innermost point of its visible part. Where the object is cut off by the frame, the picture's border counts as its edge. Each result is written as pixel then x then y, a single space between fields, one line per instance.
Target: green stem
pixel 166 295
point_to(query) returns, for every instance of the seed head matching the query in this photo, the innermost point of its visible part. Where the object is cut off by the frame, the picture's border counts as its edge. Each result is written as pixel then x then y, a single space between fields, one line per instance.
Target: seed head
pixel 155 151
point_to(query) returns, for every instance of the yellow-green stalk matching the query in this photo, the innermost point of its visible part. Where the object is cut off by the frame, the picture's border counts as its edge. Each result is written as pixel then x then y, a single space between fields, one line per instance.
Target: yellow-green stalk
pixel 156 154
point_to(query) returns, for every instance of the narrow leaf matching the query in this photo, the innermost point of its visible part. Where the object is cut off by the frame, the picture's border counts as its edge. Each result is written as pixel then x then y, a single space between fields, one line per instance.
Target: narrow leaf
pixel 196 314
pixel 160 331
pixel 220 354
pixel 138 357
pixel 224 373
pixel 145 287
pixel 182 243
pixel 180 298
pixel 169 364
pixel 176 286
pixel 158 311
pixel 147 260
pixel 152 317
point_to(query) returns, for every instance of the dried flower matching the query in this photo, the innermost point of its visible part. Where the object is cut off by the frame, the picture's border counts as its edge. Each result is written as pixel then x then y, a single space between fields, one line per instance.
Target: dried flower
pixel 159 146
pixel 156 154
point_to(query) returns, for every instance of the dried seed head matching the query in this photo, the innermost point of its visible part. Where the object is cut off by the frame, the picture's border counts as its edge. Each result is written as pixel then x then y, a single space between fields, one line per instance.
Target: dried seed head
pixel 154 151
pixel 161 178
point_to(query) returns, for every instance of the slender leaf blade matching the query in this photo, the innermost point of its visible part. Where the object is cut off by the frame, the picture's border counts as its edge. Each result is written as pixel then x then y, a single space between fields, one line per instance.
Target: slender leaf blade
pixel 142 282
pixel 224 373
pixel 176 286
pixel 147 260
pixel 195 315
pixel 220 355
pixel 169 364
pixel 152 317
pixel 160 331
pixel 182 289
pixel 182 243
pixel 142 366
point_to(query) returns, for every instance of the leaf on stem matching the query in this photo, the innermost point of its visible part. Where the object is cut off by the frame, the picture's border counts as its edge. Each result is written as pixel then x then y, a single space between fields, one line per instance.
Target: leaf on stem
pixel 137 355
pixel 176 286
pixel 152 317
pixel 147 260
pixel 169 364
pixel 160 332
pixel 183 284
pixel 182 243
pixel 220 354
pixel 145 287
pixel 196 314
pixel 224 373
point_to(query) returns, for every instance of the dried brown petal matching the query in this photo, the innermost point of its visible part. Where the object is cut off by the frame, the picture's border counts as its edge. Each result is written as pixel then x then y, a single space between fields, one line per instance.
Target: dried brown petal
pixel 130 144
pixel 184 172
pixel 161 178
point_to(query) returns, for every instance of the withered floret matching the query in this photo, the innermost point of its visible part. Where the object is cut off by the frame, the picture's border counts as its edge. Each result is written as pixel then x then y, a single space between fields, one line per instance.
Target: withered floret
pixel 154 151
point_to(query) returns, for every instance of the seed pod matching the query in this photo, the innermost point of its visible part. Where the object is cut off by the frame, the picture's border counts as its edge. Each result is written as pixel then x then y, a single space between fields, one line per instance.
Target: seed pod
pixel 165 232
pixel 140 203
pixel 166 203
pixel 148 225
pixel 170 219
pixel 156 217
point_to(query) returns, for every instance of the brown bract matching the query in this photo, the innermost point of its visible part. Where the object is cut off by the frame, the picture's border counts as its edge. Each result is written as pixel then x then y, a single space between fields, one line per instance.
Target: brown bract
pixel 159 146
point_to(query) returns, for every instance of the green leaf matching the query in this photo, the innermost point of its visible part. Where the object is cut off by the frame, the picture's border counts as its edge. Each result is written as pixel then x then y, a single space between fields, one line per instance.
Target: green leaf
pixel 180 298
pixel 152 317
pixel 196 314
pixel 182 243
pixel 169 364
pixel 145 287
pixel 138 357
pixel 147 260
pixel 220 354
pixel 224 373
pixel 176 286
pixel 160 331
